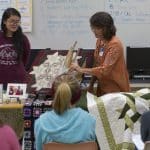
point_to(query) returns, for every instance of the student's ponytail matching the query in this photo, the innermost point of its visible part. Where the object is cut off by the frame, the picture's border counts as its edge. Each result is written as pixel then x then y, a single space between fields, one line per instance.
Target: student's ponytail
pixel 62 99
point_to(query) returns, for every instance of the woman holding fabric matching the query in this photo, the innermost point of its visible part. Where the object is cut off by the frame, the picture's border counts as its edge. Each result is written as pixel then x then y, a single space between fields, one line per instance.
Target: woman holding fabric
pixel 109 69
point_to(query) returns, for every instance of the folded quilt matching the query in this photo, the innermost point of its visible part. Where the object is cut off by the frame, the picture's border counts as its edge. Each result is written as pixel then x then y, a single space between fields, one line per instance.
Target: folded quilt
pixel 118 117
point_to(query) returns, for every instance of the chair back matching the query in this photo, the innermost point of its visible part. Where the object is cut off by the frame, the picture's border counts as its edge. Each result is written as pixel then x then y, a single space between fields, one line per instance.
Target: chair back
pixel 147 145
pixel 78 146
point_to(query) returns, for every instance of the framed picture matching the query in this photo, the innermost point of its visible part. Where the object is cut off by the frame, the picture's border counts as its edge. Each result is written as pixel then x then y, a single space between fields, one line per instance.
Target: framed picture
pixel 16 90
pixel 1 93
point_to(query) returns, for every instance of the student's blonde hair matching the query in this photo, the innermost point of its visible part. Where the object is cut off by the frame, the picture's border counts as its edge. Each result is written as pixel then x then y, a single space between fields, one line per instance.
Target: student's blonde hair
pixel 66 92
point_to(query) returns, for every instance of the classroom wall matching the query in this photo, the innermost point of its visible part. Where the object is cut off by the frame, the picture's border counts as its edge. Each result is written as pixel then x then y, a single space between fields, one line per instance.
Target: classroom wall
pixel 58 23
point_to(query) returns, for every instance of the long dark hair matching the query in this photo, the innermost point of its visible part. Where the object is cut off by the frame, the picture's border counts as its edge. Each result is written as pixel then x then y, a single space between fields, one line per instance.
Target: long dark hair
pixel 103 20
pixel 18 35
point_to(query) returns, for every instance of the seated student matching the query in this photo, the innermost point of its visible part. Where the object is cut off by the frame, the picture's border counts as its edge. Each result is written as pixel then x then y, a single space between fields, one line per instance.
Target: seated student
pixel 8 138
pixel 145 126
pixel 65 123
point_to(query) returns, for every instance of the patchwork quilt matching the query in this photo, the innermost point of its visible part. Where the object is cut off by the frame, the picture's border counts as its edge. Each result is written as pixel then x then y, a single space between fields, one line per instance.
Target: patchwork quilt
pixel 118 117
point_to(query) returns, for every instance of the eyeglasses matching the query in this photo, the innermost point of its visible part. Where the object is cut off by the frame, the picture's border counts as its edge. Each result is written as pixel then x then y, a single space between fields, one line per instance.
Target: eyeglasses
pixel 96 29
pixel 14 22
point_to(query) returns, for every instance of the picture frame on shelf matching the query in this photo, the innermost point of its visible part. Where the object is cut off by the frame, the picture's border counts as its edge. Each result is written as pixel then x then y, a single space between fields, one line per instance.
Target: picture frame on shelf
pixel 16 90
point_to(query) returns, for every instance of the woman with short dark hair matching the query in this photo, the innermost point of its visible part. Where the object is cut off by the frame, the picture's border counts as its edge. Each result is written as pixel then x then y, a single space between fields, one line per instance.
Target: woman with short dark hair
pixel 109 69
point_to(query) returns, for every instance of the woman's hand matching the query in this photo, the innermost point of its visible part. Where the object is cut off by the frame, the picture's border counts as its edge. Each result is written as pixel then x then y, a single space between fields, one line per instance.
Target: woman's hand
pixel 90 89
pixel 75 66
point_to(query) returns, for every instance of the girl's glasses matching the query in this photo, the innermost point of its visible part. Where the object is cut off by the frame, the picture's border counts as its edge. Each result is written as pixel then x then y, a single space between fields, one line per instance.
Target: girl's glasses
pixel 14 22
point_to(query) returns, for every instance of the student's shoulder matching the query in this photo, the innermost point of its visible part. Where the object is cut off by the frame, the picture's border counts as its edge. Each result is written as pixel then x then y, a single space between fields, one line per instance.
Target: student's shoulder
pixel 85 113
pixel 45 115
pixel 146 114
pixel 8 129
pixel 43 118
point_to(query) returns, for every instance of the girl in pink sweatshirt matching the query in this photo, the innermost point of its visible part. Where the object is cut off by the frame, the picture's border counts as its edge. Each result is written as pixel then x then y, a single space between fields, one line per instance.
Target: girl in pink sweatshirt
pixel 8 138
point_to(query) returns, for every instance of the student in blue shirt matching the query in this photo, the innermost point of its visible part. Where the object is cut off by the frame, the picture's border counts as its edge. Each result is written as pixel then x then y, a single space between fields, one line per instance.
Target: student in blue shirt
pixel 65 123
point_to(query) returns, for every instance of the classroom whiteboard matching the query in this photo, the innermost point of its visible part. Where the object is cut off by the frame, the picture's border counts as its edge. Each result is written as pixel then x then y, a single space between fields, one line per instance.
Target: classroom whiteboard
pixel 58 23
pixel 129 11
